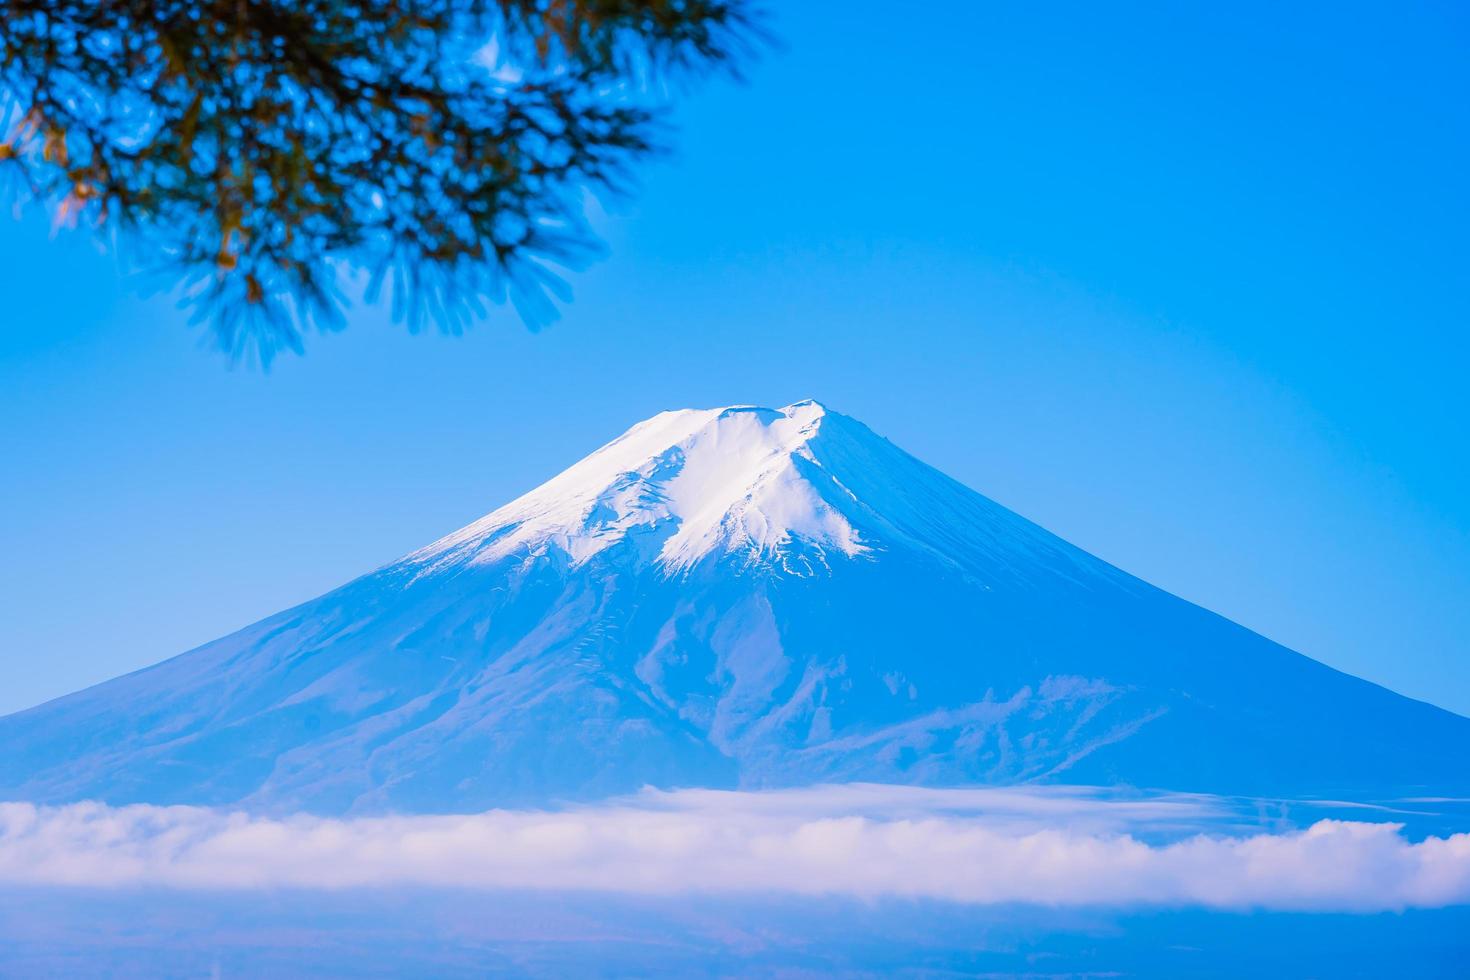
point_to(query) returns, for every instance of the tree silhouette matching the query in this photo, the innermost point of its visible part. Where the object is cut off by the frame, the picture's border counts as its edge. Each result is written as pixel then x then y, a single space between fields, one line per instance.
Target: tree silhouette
pixel 266 153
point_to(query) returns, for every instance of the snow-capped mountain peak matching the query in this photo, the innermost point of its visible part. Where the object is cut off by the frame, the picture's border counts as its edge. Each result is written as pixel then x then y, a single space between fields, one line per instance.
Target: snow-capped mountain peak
pixel 730 597
pixel 683 485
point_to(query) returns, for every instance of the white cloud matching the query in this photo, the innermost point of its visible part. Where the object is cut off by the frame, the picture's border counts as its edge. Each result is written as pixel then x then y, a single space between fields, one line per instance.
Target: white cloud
pixel 1052 846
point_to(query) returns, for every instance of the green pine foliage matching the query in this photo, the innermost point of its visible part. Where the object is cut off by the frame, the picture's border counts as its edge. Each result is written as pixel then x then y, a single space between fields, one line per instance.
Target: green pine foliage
pixel 268 154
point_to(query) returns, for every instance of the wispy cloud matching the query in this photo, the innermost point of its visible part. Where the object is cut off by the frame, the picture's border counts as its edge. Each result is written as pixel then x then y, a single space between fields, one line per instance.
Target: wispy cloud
pixel 1053 846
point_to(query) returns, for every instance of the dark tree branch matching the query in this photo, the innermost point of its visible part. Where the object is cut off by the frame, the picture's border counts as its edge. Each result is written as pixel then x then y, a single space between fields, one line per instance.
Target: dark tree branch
pixel 263 146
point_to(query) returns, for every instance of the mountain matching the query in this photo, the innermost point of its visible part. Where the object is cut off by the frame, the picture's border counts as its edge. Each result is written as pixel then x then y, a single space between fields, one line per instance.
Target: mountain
pixel 730 597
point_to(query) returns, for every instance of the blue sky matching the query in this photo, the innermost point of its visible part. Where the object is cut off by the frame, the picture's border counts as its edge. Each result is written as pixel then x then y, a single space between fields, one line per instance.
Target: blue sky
pixel 1188 287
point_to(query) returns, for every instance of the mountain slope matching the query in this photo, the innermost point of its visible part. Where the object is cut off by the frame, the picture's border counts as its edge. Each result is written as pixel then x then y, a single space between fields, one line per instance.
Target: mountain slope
pixel 738 596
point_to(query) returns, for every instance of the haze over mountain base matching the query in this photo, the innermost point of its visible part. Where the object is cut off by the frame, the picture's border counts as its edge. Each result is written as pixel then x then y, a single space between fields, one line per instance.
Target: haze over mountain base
pixel 45 933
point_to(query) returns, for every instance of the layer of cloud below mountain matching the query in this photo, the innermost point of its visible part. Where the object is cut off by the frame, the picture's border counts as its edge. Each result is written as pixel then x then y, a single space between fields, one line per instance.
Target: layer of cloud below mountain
pixel 1051 846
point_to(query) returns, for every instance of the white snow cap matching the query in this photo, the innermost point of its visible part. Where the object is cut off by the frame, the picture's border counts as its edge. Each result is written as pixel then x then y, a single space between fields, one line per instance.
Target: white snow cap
pixel 694 481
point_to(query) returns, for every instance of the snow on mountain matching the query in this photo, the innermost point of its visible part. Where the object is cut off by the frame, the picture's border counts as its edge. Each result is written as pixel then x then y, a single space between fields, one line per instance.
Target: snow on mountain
pixel 729 597
pixel 693 482
pixel 787 487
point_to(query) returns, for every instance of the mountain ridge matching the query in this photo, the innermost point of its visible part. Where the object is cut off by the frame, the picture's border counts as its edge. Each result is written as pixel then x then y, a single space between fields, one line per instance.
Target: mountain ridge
pixel 729 597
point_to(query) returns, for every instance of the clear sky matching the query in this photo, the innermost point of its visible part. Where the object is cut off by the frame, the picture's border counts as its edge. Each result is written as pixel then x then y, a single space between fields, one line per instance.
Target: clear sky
pixel 1189 287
